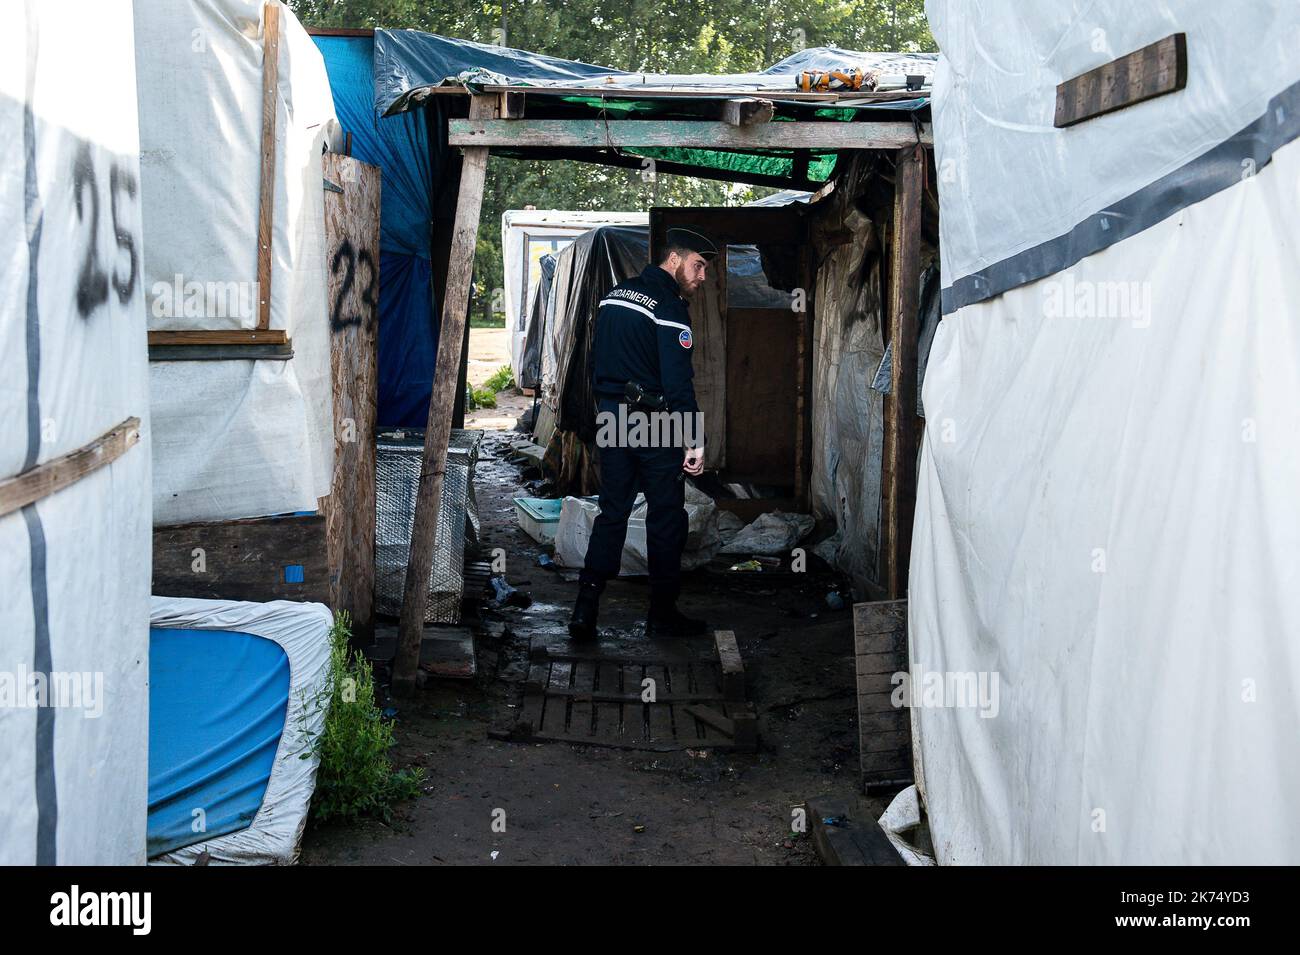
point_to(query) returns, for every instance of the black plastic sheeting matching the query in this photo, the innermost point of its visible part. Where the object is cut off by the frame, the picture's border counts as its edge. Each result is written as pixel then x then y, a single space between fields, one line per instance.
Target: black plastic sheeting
pixel 585 271
pixel 530 366
pixel 408 59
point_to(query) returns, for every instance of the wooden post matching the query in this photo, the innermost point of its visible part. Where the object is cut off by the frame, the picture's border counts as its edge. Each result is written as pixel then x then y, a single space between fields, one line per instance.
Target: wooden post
pixel 352 258
pixel 266 197
pixel 900 405
pixel 437 430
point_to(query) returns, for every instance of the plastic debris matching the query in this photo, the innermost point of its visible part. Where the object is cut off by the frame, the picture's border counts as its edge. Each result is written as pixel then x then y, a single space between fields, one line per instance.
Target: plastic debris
pixel 747 565
pixel 507 596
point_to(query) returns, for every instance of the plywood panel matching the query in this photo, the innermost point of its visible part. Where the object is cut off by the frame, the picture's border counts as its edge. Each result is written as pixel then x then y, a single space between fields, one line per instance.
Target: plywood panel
pixel 265 558
pixel 352 249
pixel 763 379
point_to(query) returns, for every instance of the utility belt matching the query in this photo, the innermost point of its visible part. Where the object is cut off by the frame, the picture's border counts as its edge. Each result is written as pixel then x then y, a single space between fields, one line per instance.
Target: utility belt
pixel 637 397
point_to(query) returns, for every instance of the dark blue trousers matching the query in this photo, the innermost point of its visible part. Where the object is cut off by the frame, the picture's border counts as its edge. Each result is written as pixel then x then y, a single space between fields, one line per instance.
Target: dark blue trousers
pixel 656 473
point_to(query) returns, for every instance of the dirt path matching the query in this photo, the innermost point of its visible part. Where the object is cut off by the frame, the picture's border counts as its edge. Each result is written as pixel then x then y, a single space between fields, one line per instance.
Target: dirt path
pixel 565 804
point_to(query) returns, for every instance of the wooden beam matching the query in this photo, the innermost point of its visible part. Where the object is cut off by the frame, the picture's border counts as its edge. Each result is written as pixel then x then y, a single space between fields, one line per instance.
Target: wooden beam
pixel 733 666
pixel 1155 70
pixel 441 402
pixel 220 352
pixel 229 336
pixel 900 404
pixel 61 472
pixel 684 133
pixel 747 112
pixel 266 197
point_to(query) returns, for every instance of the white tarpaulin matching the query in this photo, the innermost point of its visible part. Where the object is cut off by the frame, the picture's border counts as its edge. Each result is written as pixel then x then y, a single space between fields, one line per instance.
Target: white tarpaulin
pixel 302 631
pixel 74 566
pixel 1107 520
pixel 235 438
pixel 578 515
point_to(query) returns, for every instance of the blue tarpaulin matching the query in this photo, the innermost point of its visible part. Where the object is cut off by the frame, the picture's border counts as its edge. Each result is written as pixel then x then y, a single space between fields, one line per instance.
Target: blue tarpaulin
pixel 217 705
pixel 408 59
pixel 399 146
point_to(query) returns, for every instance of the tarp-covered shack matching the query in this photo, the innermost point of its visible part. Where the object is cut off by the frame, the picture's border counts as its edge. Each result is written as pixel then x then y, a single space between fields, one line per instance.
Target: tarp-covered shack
pixel 1107 518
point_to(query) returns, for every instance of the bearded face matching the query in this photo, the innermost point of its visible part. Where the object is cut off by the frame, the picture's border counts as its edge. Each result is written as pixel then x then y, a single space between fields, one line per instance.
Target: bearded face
pixel 690 273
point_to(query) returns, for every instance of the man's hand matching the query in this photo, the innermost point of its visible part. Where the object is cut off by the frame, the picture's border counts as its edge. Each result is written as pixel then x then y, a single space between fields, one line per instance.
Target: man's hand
pixel 694 462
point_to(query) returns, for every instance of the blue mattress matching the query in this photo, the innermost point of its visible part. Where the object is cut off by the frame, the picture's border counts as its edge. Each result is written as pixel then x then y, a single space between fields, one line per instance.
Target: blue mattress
pixel 217 704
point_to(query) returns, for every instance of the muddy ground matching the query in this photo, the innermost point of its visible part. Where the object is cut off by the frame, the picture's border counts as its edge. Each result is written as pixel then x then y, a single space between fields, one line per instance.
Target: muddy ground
pixel 568 804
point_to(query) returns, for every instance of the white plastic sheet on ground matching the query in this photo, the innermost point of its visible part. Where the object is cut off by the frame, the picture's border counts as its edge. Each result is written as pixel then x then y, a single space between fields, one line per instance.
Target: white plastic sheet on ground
pixel 302 630
pixel 1109 524
pixel 233 438
pixel 578 514
pixel 74 567
pixel 770 534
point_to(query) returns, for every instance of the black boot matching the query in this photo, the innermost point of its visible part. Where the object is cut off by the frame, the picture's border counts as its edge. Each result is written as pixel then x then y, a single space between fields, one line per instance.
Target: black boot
pixel 582 625
pixel 666 622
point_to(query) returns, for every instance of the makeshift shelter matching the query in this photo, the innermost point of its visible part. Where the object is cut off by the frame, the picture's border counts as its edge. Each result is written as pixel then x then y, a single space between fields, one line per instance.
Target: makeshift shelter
pixel 779 128
pixel 74 444
pixel 526 236
pixel 1107 518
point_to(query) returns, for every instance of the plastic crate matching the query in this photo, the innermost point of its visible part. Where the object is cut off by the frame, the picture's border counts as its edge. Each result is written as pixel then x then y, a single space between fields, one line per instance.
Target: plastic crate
pixel 539 517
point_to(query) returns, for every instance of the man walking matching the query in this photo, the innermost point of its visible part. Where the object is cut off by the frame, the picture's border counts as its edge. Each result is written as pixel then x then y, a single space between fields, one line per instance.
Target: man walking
pixel 641 361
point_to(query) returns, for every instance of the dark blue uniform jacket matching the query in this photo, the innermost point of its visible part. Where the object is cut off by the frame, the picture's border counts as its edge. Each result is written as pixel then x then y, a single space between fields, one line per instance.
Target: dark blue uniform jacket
pixel 643 334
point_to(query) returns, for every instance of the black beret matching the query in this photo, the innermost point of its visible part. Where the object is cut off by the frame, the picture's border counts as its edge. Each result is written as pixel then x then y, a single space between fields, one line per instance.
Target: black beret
pixel 689 239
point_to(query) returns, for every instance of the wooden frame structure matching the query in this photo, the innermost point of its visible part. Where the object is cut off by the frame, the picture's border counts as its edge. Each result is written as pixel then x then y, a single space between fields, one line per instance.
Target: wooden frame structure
pixel 497 120
pixel 260 342
pixel 328 556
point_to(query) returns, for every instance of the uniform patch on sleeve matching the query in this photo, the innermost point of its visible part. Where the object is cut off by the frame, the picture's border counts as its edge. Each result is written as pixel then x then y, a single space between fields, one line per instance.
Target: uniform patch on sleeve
pixel 684 338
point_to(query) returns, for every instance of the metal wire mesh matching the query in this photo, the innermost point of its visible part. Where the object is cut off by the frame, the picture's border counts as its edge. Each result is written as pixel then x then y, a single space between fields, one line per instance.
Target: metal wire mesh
pixel 397 476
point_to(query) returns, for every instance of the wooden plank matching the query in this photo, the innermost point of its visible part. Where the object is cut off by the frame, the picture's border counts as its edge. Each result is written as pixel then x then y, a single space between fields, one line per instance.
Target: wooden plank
pixel 352 260
pixel 901 433
pixel 884 730
pixel 842 837
pixel 803 446
pixel 265 558
pixel 266 192
pixel 228 336
pixel 220 352
pixel 711 717
pixel 58 473
pixel 733 666
pixel 699 134
pixel 581 710
pixel 609 701
pixel 442 400
pixel 636 722
pixel 747 112
pixel 1155 70
pixel 660 715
